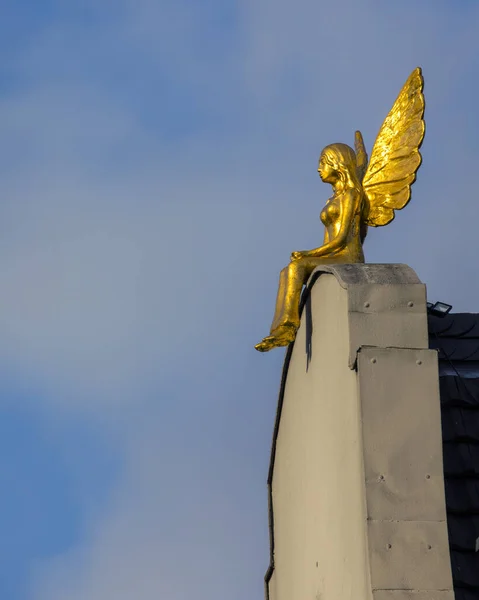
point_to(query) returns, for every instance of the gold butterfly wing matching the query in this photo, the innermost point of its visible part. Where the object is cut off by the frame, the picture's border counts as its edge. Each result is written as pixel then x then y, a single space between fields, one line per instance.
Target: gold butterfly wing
pixel 361 155
pixel 395 157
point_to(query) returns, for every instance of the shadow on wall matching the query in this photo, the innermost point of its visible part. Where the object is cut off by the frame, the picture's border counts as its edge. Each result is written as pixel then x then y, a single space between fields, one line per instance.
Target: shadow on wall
pixel 309 330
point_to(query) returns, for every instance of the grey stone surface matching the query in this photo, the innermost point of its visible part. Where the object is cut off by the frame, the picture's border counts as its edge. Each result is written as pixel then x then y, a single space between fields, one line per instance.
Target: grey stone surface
pixel 401 422
pixel 413 595
pixel 409 555
pixel 380 274
pixel 386 303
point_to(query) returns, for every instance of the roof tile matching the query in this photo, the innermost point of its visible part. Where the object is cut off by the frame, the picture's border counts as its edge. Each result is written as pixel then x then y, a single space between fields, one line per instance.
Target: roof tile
pixel 456 337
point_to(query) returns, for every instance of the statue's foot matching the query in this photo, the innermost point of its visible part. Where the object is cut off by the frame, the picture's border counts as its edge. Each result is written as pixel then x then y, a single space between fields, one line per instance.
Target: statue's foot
pixel 281 336
pixel 267 344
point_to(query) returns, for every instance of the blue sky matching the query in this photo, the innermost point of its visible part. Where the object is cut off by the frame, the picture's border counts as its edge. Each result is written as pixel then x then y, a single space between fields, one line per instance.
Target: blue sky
pixel 157 167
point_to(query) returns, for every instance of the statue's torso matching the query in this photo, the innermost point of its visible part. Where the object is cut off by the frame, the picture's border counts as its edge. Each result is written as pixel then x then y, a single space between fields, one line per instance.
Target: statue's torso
pixel 331 219
pixel 331 213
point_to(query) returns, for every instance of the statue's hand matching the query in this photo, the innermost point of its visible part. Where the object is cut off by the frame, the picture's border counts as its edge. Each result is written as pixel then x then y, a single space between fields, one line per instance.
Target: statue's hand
pixel 298 255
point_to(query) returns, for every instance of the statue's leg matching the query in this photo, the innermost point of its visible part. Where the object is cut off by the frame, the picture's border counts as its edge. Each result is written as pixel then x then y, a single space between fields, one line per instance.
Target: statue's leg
pixel 291 281
pixel 286 317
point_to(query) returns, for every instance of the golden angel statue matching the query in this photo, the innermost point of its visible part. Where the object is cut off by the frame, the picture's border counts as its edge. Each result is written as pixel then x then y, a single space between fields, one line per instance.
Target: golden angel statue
pixel 364 194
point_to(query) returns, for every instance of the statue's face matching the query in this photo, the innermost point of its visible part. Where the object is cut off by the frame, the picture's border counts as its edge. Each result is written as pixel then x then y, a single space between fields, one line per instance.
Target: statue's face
pixel 326 171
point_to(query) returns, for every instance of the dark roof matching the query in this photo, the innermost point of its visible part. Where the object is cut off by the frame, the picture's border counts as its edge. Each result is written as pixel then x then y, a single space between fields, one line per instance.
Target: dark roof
pixel 456 337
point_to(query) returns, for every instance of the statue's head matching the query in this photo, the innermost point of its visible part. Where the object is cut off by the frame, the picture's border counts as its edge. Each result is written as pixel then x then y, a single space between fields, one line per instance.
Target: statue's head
pixel 338 161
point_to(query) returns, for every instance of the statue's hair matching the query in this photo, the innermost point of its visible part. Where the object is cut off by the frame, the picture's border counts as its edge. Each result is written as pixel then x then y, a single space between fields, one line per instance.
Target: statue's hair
pixel 342 158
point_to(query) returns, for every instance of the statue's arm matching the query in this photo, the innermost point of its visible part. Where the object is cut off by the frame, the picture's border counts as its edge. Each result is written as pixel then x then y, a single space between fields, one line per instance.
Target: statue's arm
pixel 349 201
pixel 326 236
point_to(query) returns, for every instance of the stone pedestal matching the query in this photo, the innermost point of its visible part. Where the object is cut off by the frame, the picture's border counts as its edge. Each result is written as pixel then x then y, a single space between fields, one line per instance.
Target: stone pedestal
pixel 357 507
